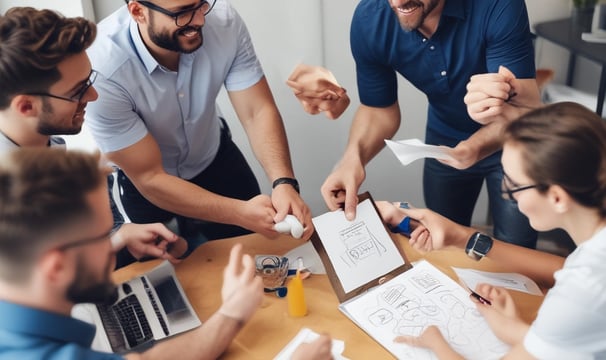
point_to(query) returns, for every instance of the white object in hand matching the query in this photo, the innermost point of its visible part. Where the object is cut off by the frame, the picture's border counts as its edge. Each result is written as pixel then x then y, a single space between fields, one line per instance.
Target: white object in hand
pixel 291 225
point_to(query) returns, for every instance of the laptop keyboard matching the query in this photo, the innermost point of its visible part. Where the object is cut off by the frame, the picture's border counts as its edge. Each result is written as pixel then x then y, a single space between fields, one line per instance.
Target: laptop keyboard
pixel 125 320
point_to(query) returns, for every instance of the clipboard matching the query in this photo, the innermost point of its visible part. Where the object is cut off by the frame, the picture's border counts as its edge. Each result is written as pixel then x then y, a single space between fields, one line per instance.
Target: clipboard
pixel 379 230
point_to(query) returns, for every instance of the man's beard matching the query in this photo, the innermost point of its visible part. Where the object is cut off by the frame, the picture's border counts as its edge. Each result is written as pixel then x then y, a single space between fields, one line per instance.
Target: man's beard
pixel 46 122
pixel 407 26
pixel 86 289
pixel 170 42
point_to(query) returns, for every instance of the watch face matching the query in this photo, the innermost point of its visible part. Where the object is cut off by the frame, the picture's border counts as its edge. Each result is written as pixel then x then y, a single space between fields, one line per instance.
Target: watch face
pixel 483 244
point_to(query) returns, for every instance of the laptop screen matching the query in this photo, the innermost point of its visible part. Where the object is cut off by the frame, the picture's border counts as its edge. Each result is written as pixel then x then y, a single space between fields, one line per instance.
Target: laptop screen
pixel 170 297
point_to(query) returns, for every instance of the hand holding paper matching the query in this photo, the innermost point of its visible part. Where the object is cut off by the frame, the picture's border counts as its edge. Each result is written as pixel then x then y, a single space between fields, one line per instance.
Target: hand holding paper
pixel 410 150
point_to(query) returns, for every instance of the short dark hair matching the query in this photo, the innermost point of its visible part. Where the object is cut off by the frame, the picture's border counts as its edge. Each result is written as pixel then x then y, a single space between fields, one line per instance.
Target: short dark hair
pixel 43 191
pixel 32 43
pixel 564 144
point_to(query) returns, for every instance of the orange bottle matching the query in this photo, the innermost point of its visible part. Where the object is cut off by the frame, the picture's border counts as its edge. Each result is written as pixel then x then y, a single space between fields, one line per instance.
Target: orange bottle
pixel 296 297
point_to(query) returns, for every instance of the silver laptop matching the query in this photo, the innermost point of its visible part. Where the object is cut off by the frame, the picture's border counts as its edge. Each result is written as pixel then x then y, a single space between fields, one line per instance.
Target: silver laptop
pixel 149 307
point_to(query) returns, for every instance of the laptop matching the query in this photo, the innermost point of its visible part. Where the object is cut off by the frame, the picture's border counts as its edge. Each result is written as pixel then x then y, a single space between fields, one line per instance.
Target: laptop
pixel 150 307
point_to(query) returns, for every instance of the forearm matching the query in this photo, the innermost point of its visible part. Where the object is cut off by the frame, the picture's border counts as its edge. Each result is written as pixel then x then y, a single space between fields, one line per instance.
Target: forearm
pixel 208 341
pixel 187 199
pixel 370 127
pixel 537 265
pixel 486 141
pixel 269 143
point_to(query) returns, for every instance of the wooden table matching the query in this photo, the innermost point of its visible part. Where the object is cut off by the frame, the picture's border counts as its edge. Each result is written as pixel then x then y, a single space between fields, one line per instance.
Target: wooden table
pixel 270 329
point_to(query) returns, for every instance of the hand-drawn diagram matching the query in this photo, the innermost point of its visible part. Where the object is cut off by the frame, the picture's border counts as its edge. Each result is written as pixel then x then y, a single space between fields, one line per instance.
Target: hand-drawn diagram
pixel 360 244
pixel 420 297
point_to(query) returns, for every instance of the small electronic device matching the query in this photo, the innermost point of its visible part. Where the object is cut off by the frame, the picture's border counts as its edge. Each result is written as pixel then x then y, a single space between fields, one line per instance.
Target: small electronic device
pixel 150 307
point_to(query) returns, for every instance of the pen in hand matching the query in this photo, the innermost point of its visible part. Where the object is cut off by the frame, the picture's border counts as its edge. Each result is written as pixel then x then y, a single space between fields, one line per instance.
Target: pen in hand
pixel 480 298
pixel 475 295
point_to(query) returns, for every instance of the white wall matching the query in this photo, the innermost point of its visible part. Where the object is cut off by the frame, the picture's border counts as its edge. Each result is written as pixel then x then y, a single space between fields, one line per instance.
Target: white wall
pixel 317 32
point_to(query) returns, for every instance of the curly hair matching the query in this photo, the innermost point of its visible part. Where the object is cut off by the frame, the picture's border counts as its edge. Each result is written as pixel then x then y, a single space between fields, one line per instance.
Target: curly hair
pixel 32 43
pixel 564 144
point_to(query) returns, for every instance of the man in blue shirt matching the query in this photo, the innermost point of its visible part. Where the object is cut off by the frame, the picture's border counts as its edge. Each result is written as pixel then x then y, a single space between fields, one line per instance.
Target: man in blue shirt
pixel 55 252
pixel 438 45
pixel 46 86
pixel 162 64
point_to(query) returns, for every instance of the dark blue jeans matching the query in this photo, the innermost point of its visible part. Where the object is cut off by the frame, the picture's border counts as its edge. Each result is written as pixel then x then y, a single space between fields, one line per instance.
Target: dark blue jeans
pixel 453 193
pixel 229 175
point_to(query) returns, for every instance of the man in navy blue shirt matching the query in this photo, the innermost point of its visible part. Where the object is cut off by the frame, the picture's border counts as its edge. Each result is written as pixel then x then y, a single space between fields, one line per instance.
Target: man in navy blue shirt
pixel 438 45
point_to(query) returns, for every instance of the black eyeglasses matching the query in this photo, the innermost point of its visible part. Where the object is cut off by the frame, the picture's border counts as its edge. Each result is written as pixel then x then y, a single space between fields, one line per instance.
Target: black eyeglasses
pixel 79 93
pixel 85 241
pixel 509 187
pixel 182 17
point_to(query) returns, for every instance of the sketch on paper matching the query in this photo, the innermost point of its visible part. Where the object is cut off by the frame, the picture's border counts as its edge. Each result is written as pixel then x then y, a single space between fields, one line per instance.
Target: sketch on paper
pixel 361 250
pixel 360 244
pixel 416 299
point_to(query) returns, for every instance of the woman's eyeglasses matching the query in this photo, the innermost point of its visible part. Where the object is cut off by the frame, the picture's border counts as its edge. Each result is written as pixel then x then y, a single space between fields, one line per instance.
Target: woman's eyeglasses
pixel 509 187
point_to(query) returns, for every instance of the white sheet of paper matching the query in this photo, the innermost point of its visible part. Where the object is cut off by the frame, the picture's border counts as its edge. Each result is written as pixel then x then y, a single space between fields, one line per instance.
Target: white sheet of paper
pixel 360 250
pixel 416 299
pixel 311 259
pixel 410 150
pixel 512 281
pixel 306 335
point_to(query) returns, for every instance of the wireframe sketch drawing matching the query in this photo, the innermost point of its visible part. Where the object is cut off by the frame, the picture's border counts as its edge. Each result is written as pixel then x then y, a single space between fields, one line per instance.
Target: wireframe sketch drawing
pixel 409 303
pixel 360 244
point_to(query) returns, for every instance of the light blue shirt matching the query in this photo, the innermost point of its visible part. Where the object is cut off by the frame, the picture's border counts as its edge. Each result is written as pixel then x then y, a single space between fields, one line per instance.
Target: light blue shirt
pixel 27 333
pixel 138 96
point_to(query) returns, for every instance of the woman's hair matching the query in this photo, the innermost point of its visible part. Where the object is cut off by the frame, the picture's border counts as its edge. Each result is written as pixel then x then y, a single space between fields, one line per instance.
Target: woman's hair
pixel 32 44
pixel 564 144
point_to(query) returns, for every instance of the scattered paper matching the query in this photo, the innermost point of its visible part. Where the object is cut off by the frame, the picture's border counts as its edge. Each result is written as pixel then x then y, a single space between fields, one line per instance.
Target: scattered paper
pixel 410 150
pixel 306 335
pixel 311 259
pixel 511 281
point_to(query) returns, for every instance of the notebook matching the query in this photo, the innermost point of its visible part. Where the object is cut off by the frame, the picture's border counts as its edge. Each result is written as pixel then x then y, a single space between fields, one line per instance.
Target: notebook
pixel 382 293
pixel 150 307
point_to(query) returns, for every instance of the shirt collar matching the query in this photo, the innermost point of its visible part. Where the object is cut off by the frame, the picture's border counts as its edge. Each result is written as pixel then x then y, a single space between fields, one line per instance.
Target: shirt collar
pixel 28 321
pixel 146 57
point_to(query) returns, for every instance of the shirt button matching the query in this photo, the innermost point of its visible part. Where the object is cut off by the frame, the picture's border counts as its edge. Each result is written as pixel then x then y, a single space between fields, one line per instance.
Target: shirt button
pixel 424 39
pixel 443 73
pixel 432 47
pixel 181 95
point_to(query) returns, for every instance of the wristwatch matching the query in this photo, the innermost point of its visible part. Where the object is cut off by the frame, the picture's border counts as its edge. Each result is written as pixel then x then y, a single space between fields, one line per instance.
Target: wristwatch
pixel 285 180
pixel 478 246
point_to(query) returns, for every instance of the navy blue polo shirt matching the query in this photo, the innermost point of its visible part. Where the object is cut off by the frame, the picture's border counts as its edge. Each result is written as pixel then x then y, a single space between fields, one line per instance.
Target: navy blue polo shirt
pixel 27 333
pixel 473 37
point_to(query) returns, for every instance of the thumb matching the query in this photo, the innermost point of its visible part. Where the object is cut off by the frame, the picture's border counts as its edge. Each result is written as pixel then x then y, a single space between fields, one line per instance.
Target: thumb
pixel 295 86
pixel 506 73
pixel 280 215
pixel 351 202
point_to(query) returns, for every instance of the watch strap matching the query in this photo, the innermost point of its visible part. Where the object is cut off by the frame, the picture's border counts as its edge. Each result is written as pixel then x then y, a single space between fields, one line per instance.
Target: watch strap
pixel 286 180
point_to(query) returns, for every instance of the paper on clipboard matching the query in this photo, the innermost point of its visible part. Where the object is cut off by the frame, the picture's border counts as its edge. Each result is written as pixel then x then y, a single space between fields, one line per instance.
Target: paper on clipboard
pixel 410 150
